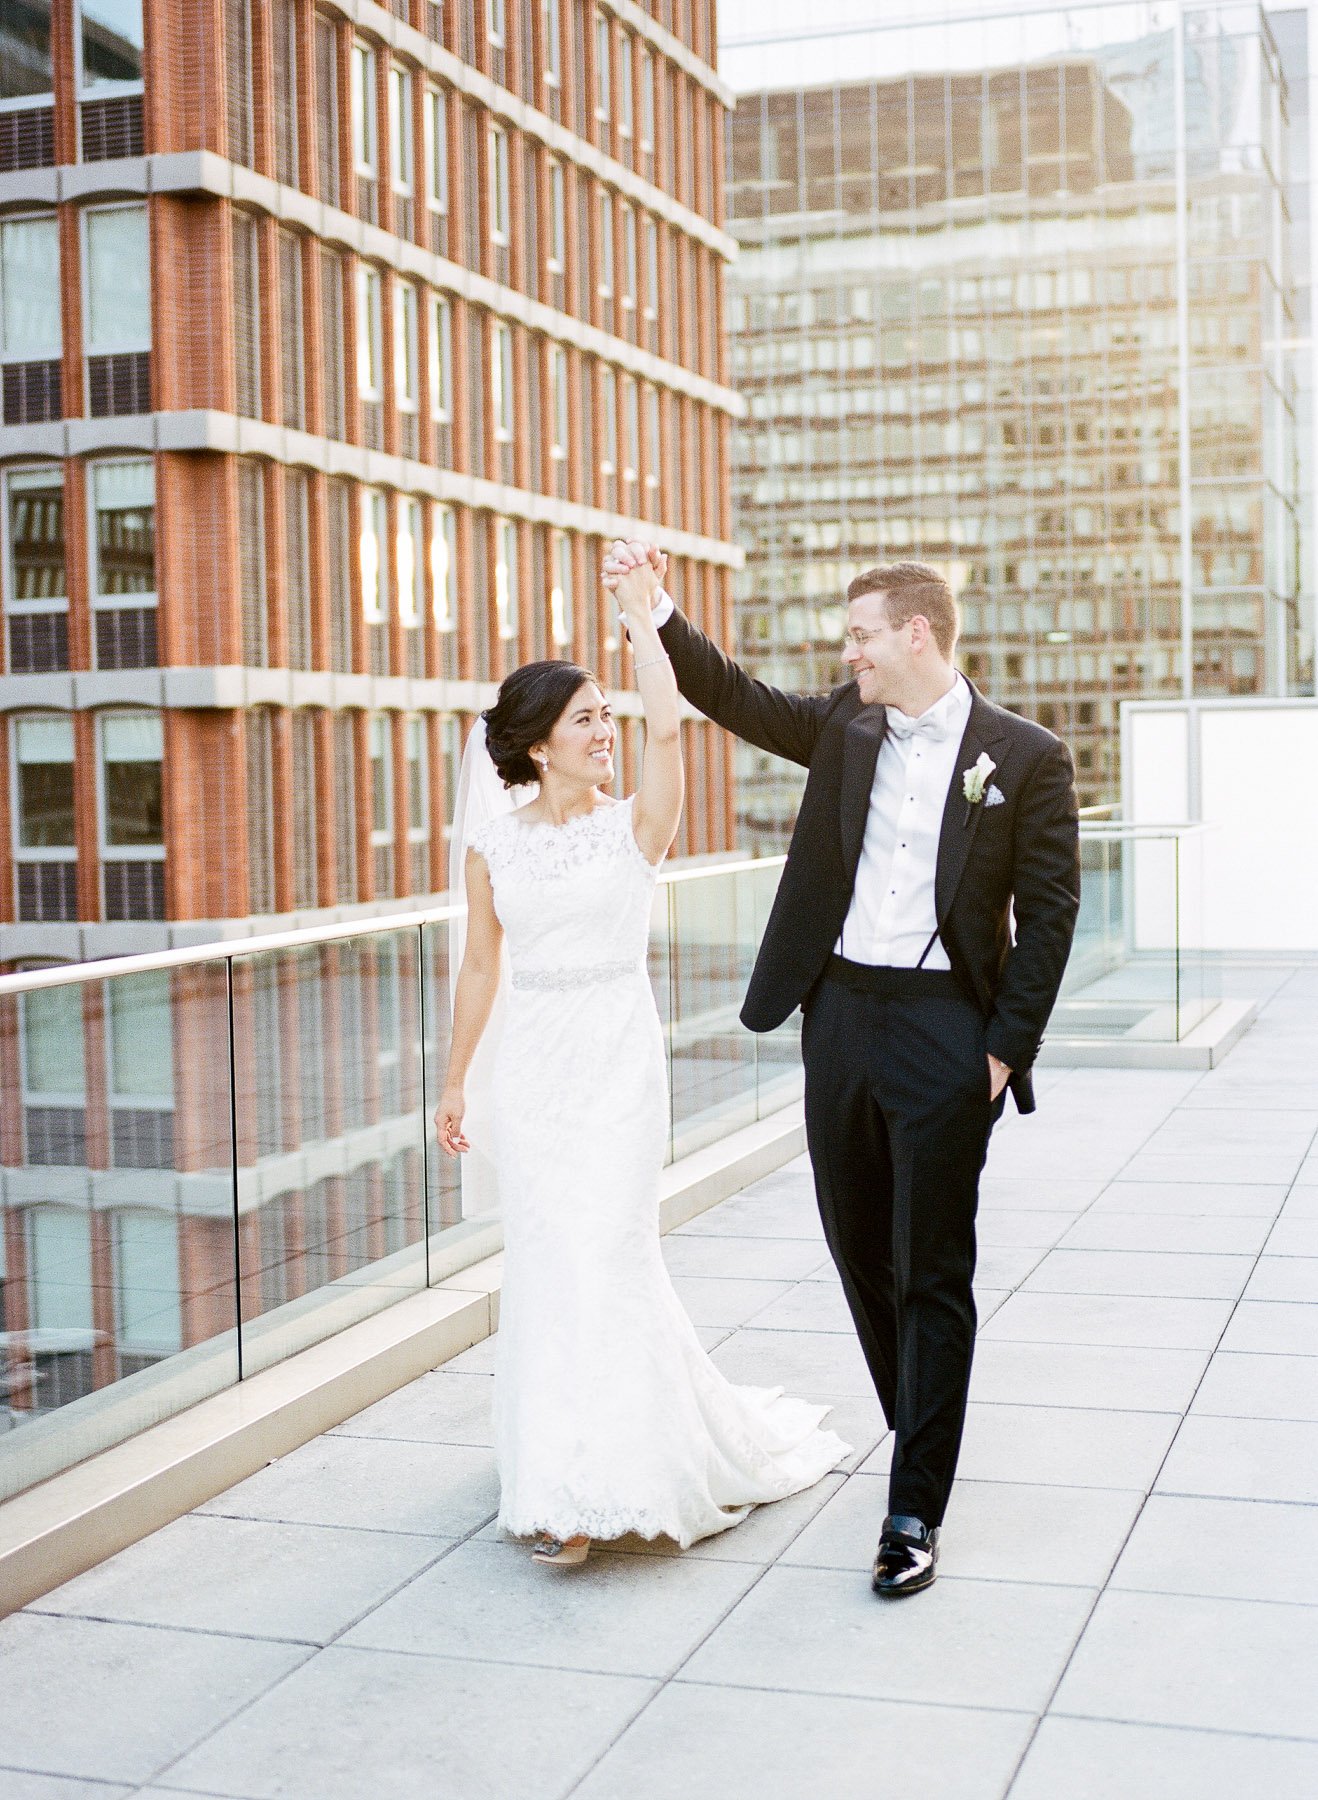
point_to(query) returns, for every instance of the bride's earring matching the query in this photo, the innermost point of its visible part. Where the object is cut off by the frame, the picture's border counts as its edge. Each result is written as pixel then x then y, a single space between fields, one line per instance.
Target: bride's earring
pixel 541 762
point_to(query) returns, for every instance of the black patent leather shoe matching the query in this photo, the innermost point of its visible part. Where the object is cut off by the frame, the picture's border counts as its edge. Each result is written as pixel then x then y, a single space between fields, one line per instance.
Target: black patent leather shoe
pixel 907 1557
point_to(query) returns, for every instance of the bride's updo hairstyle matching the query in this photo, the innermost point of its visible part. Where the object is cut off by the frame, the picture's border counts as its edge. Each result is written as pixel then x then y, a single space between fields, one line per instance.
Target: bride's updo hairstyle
pixel 531 702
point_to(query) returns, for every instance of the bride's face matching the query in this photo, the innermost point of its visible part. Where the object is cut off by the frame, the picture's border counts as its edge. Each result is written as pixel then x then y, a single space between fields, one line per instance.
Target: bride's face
pixel 580 747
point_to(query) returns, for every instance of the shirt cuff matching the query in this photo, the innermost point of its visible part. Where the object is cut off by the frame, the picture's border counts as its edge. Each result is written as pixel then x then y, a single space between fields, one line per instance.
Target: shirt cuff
pixel 661 611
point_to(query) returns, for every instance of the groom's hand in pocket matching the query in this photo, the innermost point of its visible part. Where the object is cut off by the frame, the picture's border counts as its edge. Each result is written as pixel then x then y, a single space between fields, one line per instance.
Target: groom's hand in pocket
pixel 999 1076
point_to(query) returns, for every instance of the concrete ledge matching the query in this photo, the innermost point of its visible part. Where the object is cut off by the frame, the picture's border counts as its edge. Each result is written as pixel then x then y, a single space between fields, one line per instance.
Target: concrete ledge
pixel 70 1523
pixel 1202 1048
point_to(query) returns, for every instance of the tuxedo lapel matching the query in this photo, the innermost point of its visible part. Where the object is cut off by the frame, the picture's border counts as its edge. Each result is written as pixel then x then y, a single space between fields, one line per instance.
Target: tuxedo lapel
pixel 957 833
pixel 864 737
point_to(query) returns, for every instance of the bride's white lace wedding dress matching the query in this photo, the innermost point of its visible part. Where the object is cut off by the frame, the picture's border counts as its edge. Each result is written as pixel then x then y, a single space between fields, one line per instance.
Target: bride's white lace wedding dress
pixel 609 1417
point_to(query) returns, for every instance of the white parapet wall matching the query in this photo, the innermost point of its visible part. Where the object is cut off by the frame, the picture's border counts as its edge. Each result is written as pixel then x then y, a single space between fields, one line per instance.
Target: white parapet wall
pixel 1247 769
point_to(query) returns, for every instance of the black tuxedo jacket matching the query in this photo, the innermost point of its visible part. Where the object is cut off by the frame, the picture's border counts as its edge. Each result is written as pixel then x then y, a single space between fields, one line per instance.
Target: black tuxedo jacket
pixel 1020 857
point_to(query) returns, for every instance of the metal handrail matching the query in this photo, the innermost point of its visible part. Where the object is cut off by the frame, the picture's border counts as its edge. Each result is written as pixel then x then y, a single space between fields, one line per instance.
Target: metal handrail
pixel 226 949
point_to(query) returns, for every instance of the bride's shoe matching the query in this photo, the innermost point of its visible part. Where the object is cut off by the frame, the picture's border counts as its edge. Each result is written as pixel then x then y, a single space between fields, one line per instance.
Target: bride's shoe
pixel 565 1553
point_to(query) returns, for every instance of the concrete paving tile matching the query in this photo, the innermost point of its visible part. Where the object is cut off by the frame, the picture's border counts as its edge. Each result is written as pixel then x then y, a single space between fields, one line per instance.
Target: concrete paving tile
pixel 250 1577
pixel 988 1301
pixel 858 1421
pixel 1140 1320
pixel 373 1484
pixel 1215 1167
pixel 1201 1277
pixel 479 1360
pixel 1172 1659
pixel 18 1784
pixel 812 1365
pixel 1039 1193
pixel 442 1408
pixel 785 1215
pixel 965 1643
pixel 353 1723
pixel 1176 1233
pixel 1246 1459
pixel 1284 1278
pixel 1232 1128
pixel 744 1258
pixel 706 1743
pixel 144 1695
pixel 1194 1199
pixel 1284 1327
pixel 1005 1266
pixel 1063 1446
pixel 1003 1227
pixel 1224 1088
pixel 1259 1387
pixel 1293 1235
pixel 808 1306
pixel 1303 1201
pixel 995 1531
pixel 629 1615
pixel 1093 1759
pixel 1092 1375
pixel 1235 1549
pixel 724 1300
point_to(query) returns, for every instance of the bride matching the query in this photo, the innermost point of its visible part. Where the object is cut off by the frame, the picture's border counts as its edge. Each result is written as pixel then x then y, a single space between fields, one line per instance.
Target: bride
pixel 609 1417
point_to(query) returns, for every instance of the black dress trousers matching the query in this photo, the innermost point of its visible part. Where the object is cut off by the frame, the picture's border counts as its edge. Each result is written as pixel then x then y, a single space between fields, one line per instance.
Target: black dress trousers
pixel 898 1116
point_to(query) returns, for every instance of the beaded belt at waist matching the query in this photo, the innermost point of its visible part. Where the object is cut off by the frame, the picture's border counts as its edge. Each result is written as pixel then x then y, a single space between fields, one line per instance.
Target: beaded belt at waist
pixel 560 980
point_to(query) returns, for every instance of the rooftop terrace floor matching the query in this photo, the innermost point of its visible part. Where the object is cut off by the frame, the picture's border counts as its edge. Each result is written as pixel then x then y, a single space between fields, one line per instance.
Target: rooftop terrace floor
pixel 1129 1600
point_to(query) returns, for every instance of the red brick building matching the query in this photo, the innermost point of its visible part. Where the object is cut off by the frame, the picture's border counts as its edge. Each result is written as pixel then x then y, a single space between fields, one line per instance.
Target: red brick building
pixel 336 338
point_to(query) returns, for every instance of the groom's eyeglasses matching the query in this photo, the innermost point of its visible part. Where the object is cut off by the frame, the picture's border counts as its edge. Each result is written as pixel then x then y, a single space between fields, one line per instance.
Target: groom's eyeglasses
pixel 860 638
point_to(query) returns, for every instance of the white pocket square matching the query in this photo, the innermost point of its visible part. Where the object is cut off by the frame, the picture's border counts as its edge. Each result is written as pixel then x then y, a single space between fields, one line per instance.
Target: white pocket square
pixel 995 796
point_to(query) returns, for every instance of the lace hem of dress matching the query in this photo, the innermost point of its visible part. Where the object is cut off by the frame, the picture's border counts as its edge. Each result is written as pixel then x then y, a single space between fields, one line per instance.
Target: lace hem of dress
pixel 605 1525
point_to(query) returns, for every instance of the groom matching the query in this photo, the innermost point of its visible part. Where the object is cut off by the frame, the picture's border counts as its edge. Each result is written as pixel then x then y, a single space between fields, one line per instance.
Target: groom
pixel 932 821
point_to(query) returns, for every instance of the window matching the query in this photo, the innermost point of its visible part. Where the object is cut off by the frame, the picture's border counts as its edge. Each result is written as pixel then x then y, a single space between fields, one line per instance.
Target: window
pixel 131 815
pixel 284 82
pixel 559 420
pixel 609 448
pixel 297 562
pixel 54 1078
pixel 123 571
pixel 652 439
pixel 441 360
pixel 111 44
pixel 400 130
pixel 345 808
pixel 501 381
pixel 382 804
pixel 418 805
pixel 606 244
pixel 647 110
pixel 327 109
pixel 36 586
pixel 553 43
pixel 499 201
pixel 45 859
pixel 407 374
pixel 626 113
pixel 139 1067
pixel 650 309
pixel 117 280
pixel 443 559
pixel 631 405
pixel 291 333
pixel 364 142
pixel 557 217
pixel 258 755
pixel 629 269
pixel 30 319
pixel 306 789
pixel 26 71
pixel 59 1252
pixel 560 592
pixel 505 578
pixel 149 1309
pixel 496 23
pixel 436 150
pixel 602 36
pixel 375 575
pixel 409 549
pixel 370 374
pixel 332 289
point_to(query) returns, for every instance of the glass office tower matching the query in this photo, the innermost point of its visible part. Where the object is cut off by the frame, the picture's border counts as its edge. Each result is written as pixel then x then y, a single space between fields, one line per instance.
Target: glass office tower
pixel 1018 296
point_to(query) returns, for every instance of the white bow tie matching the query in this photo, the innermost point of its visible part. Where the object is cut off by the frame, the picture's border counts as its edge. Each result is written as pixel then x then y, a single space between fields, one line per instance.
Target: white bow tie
pixel 932 725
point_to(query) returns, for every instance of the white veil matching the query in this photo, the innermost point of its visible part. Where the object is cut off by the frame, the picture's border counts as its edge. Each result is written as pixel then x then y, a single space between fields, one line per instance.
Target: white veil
pixel 481 796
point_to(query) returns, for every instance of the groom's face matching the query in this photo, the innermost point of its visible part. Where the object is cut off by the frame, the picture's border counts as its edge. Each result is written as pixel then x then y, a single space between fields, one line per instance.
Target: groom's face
pixel 877 655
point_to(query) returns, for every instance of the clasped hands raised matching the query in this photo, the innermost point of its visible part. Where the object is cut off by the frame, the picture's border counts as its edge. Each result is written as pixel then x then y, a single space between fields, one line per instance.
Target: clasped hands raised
pixel 633 572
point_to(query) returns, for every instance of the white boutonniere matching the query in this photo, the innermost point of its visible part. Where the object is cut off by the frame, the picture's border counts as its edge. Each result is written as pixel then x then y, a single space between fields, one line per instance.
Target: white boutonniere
pixel 974 781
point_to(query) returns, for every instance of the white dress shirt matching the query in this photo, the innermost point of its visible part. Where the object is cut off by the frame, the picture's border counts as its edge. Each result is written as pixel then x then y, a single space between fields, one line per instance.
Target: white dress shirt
pixel 892 914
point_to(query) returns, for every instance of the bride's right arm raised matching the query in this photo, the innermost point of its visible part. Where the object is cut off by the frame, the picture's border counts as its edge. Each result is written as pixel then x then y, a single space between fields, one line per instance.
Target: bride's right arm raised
pixel 473 1000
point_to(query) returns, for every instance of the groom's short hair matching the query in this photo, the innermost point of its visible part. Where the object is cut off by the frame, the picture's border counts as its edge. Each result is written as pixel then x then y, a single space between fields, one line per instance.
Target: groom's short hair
pixel 911 588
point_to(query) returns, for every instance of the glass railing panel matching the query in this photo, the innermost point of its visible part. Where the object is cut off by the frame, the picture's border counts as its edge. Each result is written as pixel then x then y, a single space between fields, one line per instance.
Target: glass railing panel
pixel 117 1303
pixel 330 1191
pixel 713 1057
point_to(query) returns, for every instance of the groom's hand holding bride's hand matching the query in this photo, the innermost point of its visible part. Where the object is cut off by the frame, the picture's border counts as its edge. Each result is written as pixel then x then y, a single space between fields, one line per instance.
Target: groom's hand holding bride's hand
pixel 626 555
